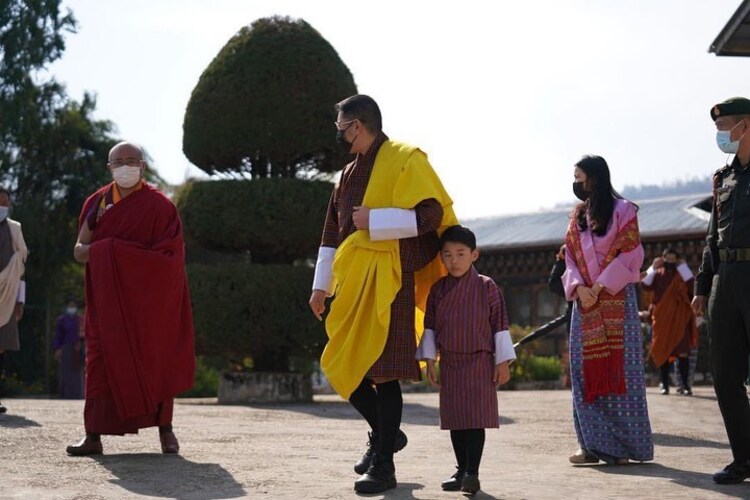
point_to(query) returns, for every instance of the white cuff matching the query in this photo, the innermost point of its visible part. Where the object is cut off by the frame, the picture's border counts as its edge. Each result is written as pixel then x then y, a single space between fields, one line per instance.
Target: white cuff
pixel 427 348
pixel 685 272
pixel 649 278
pixel 392 224
pixel 504 350
pixel 323 279
pixel 21 292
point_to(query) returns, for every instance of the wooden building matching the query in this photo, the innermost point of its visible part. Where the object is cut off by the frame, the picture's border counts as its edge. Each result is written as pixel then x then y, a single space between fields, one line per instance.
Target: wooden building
pixel 734 38
pixel 518 252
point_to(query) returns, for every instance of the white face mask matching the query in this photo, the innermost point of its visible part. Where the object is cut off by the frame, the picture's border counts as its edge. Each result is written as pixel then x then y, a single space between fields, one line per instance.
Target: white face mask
pixel 725 144
pixel 3 213
pixel 126 177
pixel 72 310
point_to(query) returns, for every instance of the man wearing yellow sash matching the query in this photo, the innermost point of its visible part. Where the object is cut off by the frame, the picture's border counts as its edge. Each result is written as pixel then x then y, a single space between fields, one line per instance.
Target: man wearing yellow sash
pixel 378 256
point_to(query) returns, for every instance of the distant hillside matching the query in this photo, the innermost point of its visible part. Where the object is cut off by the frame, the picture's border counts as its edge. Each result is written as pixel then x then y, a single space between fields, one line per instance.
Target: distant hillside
pixel 676 188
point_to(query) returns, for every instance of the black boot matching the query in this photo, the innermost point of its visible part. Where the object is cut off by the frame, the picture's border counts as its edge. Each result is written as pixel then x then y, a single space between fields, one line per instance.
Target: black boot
pixel 455 482
pixel 372 447
pixel 470 484
pixel 665 378
pixel 683 364
pixel 2 408
pixel 734 473
pixel 380 477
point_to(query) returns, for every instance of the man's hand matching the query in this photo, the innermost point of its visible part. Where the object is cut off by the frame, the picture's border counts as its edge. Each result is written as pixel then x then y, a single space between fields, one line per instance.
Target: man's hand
pixel 431 373
pixel 658 262
pixel 361 217
pixel 318 303
pixel 58 354
pixel 81 252
pixel 502 374
pixel 699 305
pixel 19 311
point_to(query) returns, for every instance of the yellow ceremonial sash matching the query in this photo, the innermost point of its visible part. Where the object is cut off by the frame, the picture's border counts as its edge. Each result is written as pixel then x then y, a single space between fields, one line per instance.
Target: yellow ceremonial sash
pixel 367 274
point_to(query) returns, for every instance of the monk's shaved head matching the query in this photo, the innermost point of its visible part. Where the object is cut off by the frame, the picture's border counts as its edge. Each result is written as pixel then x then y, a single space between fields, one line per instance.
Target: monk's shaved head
pixel 125 150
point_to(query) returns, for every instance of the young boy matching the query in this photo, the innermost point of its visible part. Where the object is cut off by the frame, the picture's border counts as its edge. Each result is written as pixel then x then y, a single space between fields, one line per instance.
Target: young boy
pixel 467 323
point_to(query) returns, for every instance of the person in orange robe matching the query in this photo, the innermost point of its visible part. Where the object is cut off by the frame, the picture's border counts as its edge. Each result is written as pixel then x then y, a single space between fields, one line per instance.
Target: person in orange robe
pixel 138 321
pixel 672 319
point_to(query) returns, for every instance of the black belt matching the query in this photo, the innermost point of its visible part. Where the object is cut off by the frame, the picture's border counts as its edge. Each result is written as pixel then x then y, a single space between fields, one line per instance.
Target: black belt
pixel 734 254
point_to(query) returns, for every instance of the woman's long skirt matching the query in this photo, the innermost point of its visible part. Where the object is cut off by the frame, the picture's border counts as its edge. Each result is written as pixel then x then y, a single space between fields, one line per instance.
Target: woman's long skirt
pixel 613 426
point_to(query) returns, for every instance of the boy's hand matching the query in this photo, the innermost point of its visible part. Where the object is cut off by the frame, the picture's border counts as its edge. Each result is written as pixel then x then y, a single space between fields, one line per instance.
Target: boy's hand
pixel 431 373
pixel 502 374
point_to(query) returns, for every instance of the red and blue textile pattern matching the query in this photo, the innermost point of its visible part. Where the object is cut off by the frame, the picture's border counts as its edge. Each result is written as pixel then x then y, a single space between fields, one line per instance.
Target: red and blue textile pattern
pixel 603 324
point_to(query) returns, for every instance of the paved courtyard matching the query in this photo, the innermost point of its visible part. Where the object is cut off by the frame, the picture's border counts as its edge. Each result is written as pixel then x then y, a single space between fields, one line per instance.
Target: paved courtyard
pixel 307 451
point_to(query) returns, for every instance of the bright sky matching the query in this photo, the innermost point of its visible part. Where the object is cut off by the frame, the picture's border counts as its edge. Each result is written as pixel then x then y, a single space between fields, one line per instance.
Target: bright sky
pixel 504 96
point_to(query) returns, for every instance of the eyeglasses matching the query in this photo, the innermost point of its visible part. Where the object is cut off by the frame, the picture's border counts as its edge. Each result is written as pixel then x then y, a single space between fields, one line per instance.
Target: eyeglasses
pixel 344 125
pixel 130 162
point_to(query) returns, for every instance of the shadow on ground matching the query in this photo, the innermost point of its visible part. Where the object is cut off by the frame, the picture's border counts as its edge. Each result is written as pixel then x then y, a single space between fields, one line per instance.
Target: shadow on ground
pixel 691 479
pixel 170 476
pixel 414 413
pixel 403 491
pixel 16 421
pixel 687 442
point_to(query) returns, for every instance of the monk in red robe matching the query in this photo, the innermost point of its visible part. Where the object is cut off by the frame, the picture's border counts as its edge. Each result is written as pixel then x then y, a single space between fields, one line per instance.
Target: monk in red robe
pixel 138 322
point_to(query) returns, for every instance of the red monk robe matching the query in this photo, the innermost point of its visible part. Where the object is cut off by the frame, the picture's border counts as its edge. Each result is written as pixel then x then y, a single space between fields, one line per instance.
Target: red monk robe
pixel 139 325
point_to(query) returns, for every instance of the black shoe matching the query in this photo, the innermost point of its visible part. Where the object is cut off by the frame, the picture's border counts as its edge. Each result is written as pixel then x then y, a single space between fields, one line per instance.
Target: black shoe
pixel 665 391
pixel 2 408
pixel 372 447
pixel 380 477
pixel 734 473
pixel 455 482
pixel 687 392
pixel 470 484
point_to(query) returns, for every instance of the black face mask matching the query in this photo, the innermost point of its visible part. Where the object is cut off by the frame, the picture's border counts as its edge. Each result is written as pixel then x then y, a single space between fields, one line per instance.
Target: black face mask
pixel 345 145
pixel 668 265
pixel 578 190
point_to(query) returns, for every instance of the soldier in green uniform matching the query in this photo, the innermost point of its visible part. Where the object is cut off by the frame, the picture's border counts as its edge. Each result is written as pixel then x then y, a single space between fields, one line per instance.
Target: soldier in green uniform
pixel 724 276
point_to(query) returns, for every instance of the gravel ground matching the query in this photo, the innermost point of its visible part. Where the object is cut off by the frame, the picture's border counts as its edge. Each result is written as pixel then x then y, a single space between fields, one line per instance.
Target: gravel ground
pixel 307 452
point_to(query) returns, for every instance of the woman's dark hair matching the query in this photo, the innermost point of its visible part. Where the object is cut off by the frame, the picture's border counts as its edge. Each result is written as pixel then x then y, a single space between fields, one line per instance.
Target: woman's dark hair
pixel 458 234
pixel 600 205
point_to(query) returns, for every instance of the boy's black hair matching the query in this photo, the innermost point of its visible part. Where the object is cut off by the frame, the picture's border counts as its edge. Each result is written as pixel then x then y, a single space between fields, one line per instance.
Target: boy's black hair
pixel 458 234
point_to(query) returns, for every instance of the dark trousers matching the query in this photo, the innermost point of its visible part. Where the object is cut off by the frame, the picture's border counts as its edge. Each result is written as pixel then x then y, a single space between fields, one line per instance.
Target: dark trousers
pixel 729 326
pixel 381 406
pixel 468 445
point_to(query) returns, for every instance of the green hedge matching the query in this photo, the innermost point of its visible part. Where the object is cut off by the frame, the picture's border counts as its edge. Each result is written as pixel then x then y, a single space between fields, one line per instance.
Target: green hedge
pixel 258 311
pixel 206 380
pixel 275 220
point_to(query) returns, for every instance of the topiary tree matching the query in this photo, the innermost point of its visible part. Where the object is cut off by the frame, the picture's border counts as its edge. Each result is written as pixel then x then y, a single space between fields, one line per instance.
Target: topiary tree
pixel 264 106
pixel 275 220
pixel 261 311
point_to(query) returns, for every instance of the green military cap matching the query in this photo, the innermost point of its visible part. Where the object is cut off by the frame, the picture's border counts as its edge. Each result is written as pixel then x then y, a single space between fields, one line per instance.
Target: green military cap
pixel 730 107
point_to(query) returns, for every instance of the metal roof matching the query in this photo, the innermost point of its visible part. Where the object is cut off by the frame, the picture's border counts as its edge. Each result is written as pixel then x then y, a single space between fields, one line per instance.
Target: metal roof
pixel 684 216
pixel 734 38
